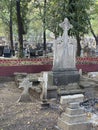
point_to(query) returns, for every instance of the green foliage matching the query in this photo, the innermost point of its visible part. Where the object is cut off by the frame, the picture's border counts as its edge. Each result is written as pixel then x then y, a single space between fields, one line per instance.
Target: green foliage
pixel 5 6
pixel 56 12
pixel 94 16
pixel 76 11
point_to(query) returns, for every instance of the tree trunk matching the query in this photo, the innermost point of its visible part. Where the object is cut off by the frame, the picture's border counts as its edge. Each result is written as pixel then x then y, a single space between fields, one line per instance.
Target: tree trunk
pixel 92 31
pixel 78 46
pixel 11 30
pixel 20 35
pixel 44 27
pixel 96 38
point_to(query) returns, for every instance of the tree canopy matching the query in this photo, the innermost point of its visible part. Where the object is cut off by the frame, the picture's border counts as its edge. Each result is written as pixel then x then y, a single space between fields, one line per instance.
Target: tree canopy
pixel 33 13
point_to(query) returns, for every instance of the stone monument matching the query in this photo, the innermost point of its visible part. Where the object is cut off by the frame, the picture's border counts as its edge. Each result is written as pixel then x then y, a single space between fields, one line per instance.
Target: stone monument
pixel 74 117
pixel 64 62
pixel 48 90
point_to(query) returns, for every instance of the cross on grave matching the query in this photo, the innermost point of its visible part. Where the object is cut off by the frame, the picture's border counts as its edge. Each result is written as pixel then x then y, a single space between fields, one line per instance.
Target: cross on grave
pixel 26 85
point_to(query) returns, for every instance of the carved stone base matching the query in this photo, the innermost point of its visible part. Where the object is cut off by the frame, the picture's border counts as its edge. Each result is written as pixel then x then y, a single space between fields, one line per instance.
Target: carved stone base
pixel 65 76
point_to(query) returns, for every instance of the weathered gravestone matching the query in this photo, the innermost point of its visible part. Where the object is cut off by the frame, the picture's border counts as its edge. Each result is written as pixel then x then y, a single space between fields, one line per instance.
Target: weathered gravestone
pixel 64 70
pixel 64 62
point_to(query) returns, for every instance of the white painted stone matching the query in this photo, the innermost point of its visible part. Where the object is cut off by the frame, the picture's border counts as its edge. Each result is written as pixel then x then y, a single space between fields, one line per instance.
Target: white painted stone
pixel 25 84
pixel 63 125
pixel 44 85
pixel 74 118
pixel 64 49
pixel 71 98
pixel 74 111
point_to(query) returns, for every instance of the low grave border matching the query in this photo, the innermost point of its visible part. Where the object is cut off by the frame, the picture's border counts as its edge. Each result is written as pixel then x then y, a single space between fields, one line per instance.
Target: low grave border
pixel 9 66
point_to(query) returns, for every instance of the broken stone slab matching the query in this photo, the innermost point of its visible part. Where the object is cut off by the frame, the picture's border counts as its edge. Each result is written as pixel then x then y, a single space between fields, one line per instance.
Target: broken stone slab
pixel 71 98
pixel 20 74
pixel 19 77
pixel 18 81
pixel 89 80
pixel 93 74
pixel 87 84
pixel 33 77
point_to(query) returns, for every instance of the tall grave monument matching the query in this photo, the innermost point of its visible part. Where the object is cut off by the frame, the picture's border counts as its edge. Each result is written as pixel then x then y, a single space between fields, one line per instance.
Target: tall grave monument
pixel 64 61
pixel 64 72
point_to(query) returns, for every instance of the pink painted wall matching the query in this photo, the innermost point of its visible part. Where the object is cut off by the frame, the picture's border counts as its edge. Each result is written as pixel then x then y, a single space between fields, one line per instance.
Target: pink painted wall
pixel 9 70
pixel 87 64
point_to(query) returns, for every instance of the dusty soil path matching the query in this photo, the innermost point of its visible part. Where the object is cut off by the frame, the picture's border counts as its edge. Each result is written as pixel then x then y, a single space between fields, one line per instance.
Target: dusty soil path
pixel 23 116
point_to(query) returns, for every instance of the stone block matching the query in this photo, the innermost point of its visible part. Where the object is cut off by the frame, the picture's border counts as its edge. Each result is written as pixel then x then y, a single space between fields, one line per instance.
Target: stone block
pixel 74 118
pixel 71 98
pixel 74 105
pixel 73 126
pixel 74 111
pixel 64 77
pixel 52 92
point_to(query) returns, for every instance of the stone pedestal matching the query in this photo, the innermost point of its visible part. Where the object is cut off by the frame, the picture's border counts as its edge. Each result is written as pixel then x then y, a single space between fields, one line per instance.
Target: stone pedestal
pixel 48 89
pixel 66 81
pixel 65 76
pixel 74 117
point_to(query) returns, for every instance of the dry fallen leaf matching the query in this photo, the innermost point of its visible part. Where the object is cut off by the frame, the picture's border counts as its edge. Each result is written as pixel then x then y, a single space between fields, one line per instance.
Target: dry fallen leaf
pixel 46 113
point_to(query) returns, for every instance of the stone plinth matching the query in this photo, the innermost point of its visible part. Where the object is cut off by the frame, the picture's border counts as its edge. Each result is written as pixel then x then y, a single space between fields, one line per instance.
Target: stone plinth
pixel 74 126
pixel 71 99
pixel 74 117
pixel 65 76
pixel 48 89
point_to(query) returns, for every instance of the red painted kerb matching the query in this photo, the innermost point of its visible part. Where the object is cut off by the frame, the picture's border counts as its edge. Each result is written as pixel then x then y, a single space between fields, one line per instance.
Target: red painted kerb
pixel 87 64
pixel 10 70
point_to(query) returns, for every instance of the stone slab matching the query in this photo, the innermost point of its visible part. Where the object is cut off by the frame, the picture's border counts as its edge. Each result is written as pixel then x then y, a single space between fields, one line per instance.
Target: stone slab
pixel 71 98
pixel 74 118
pixel 74 105
pixel 74 111
pixel 70 92
pixel 52 92
pixel 74 126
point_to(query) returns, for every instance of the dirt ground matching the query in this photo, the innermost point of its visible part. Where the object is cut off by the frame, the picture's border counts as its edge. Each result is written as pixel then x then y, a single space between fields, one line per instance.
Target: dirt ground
pixel 24 116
